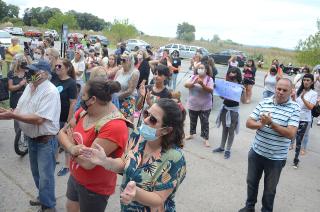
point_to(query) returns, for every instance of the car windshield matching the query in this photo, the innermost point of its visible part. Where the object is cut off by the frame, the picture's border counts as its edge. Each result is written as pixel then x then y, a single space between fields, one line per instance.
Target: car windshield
pixel 4 35
pixel 141 41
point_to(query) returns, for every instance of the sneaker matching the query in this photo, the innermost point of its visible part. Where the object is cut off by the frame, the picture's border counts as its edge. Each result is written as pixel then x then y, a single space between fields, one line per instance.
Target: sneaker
pixel 295 166
pixel 227 154
pixel 219 149
pixel 35 202
pixel 245 209
pixel 63 171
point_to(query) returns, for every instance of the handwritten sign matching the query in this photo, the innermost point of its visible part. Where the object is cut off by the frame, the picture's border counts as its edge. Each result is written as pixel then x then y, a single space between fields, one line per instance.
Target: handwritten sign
pixel 228 90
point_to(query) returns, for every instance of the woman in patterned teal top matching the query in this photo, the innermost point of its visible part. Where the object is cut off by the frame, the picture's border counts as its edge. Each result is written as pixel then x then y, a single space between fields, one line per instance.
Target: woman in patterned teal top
pixel 153 166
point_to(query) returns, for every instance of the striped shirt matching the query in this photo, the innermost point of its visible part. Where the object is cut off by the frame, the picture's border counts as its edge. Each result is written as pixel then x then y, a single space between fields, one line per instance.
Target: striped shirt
pixel 267 142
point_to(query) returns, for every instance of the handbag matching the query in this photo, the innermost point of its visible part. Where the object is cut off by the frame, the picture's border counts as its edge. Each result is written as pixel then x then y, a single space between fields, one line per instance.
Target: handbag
pixel 316 110
pixel 4 92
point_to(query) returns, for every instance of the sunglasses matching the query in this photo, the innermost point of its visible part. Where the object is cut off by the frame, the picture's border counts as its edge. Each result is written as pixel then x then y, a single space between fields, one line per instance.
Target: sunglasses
pixel 152 119
pixel 123 60
pixel 59 66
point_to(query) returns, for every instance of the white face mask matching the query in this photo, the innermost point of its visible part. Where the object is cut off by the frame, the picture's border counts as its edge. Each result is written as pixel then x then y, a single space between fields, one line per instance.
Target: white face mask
pixel 36 57
pixel 201 71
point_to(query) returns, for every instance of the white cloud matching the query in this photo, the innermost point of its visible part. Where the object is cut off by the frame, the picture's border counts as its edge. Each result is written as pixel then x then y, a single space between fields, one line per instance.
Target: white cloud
pixel 256 22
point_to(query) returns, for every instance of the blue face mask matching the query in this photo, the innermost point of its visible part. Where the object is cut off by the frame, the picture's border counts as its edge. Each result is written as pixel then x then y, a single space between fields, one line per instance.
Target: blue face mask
pixel 148 132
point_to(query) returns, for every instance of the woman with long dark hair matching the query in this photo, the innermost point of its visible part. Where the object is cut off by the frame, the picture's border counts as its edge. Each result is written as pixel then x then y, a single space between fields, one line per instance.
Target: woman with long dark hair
pixel 306 98
pixel 153 165
pixel 249 73
pixel 67 87
pixel 229 115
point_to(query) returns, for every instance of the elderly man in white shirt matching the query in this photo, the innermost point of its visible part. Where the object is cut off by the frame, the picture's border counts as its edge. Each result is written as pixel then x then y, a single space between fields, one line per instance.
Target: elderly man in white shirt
pixel 38 113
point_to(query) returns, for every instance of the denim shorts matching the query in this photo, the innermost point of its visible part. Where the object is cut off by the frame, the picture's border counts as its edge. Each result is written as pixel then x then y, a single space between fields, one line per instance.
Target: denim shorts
pixel 88 200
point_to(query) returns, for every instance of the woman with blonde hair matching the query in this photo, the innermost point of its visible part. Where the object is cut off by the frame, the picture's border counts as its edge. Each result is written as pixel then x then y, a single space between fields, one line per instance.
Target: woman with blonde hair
pixel 17 83
pixel 112 67
pixel 128 77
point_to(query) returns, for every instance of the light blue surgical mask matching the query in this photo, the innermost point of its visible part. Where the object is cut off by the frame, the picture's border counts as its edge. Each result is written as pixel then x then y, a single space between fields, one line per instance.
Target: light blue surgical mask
pixel 148 132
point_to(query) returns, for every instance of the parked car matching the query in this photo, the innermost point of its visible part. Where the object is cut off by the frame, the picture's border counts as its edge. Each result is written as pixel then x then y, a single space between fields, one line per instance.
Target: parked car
pixel 131 44
pixel 52 32
pixel 224 56
pixel 185 51
pixel 103 39
pixel 5 38
pixel 14 30
pixel 33 33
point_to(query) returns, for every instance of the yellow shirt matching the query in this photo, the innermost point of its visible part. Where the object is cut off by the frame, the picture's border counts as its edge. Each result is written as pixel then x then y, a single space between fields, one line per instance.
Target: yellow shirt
pixel 13 49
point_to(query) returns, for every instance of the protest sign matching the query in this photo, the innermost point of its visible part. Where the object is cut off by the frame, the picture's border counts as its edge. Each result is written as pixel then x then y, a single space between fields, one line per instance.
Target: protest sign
pixel 228 90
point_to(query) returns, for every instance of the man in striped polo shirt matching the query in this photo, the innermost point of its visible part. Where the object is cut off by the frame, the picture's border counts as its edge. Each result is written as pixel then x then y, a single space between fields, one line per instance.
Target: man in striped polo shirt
pixel 276 120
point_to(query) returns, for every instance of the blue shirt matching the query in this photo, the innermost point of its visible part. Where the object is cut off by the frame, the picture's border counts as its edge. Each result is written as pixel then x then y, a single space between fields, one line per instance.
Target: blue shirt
pixel 267 142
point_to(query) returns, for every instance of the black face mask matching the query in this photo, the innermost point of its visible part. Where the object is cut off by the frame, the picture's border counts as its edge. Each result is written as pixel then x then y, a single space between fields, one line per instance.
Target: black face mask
pixel 83 104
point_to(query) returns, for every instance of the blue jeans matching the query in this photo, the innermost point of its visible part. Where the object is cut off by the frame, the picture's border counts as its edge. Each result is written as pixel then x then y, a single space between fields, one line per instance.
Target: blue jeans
pixel 258 164
pixel 306 137
pixel 267 94
pixel 43 164
pixel 174 80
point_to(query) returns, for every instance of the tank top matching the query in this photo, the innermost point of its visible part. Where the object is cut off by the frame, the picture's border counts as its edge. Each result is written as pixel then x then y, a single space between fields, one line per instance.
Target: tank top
pixel 270 83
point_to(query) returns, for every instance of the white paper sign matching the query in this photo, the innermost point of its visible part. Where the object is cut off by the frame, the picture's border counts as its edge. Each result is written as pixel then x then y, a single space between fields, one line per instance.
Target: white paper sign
pixel 228 90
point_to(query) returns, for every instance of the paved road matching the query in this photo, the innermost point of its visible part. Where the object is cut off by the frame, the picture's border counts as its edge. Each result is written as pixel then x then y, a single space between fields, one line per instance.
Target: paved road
pixel 212 183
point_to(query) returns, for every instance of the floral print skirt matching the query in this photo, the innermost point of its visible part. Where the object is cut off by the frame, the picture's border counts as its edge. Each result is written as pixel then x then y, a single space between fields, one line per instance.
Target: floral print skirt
pixel 127 106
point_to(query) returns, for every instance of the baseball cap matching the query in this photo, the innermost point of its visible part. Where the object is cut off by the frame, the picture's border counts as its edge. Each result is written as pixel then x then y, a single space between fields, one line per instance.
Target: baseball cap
pixel 41 65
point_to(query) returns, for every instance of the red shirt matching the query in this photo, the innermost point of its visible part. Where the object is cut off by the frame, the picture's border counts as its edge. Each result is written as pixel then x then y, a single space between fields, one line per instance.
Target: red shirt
pixel 98 179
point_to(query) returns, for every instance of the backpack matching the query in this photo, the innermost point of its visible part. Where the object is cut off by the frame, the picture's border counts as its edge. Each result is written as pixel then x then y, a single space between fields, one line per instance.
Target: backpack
pixel 115 115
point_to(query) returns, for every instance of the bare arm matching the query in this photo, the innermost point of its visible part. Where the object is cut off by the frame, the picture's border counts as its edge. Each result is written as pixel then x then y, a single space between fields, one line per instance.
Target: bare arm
pixel 288 132
pixel 13 88
pixel 29 118
pixel 153 199
pixel 71 108
pixel 132 84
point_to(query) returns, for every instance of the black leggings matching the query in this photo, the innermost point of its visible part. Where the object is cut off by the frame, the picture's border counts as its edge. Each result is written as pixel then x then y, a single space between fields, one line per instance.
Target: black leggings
pixel 303 125
pixel 204 121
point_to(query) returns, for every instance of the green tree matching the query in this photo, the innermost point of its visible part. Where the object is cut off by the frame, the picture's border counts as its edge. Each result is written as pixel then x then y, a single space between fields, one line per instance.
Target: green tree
pixel 42 15
pixel 308 51
pixel 88 21
pixel 215 38
pixel 186 31
pixel 13 11
pixel 122 30
pixel 8 11
pixel 56 21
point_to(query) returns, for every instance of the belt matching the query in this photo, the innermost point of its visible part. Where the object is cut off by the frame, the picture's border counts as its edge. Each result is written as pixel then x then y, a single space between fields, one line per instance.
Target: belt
pixel 43 138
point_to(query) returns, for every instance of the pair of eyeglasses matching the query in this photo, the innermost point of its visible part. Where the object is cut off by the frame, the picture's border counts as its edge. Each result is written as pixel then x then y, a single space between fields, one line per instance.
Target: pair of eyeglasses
pixel 152 119
pixel 123 60
pixel 58 66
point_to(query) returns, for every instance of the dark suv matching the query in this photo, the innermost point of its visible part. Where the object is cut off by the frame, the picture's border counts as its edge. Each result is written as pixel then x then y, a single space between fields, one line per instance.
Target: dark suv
pixel 224 56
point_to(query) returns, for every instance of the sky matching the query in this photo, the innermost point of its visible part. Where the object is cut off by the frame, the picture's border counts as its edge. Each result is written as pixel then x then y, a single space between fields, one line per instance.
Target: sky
pixel 276 23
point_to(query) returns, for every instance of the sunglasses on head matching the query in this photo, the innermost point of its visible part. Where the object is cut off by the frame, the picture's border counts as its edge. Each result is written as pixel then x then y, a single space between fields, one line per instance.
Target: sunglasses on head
pixel 152 119
pixel 58 66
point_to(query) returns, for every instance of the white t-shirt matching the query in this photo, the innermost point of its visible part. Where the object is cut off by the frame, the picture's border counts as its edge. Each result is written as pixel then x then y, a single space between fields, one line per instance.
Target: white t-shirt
pixel 79 66
pixel 305 113
pixel 44 101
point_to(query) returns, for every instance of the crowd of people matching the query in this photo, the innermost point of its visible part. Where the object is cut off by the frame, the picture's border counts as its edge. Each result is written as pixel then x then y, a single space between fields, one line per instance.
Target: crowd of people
pixel 88 104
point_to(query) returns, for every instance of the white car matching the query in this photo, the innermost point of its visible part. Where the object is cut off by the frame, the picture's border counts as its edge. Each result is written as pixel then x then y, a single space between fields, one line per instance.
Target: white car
pixel 131 44
pixel 185 51
pixel 5 38
pixel 52 32
pixel 14 30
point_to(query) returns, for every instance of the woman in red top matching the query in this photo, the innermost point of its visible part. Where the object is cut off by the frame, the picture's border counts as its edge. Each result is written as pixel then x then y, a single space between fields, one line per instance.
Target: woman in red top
pixel 98 121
